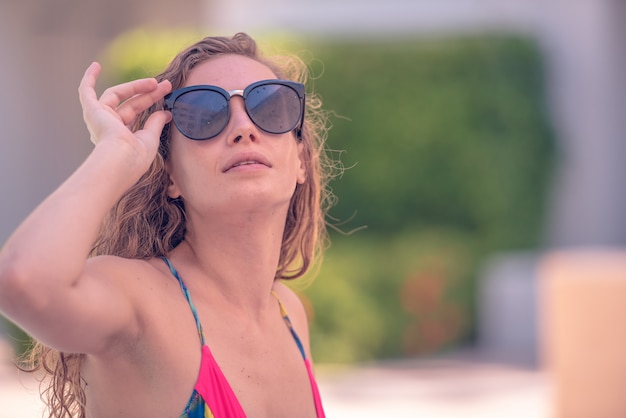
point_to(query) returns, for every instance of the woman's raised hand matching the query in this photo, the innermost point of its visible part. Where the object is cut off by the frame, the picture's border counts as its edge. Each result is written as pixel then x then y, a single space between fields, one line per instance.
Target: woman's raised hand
pixel 111 117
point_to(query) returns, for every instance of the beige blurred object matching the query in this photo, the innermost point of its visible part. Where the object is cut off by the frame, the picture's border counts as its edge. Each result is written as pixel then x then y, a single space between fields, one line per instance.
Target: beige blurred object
pixel 584 343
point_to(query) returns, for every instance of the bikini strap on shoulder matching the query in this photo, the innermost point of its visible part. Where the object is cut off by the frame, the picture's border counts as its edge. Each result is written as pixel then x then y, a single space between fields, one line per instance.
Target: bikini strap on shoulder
pixel 187 296
pixel 285 316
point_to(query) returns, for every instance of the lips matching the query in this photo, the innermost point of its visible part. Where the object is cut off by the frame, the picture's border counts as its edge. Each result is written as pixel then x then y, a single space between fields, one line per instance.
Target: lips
pixel 244 159
pixel 246 163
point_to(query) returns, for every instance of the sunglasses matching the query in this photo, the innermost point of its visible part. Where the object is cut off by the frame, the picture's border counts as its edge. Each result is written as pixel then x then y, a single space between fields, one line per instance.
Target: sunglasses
pixel 202 112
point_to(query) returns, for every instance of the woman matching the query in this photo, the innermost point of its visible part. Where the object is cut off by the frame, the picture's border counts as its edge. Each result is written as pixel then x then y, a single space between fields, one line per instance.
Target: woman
pixel 209 181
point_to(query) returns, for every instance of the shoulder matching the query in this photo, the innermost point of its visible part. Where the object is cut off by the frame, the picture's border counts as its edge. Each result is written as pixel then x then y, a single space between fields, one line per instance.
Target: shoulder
pixel 123 269
pixel 135 287
pixel 130 278
pixel 135 280
pixel 290 300
pixel 295 309
pixel 119 272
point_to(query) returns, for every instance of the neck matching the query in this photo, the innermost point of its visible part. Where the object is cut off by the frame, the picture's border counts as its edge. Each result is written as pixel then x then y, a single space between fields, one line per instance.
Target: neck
pixel 234 258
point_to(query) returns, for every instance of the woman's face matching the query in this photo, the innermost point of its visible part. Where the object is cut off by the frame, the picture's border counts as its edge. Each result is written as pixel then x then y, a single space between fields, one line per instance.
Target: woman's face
pixel 242 168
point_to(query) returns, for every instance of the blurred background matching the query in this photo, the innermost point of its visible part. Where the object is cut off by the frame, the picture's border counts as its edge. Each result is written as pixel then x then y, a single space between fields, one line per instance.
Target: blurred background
pixel 477 135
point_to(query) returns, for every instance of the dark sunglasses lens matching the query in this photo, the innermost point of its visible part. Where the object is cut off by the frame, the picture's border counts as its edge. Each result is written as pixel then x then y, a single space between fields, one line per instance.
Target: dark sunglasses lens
pixel 200 114
pixel 275 108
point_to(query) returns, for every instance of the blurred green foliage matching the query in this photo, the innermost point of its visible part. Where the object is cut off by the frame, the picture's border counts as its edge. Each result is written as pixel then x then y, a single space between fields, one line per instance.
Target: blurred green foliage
pixel 145 51
pixel 409 293
pixel 441 133
pixel 450 155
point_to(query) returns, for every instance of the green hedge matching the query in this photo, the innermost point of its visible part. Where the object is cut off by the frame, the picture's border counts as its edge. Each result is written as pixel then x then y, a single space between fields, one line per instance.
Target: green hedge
pixel 405 294
pixel 440 133
pixel 452 152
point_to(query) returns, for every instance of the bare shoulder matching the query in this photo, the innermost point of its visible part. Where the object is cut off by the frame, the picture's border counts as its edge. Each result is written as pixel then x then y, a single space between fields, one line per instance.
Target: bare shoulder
pixel 296 311
pixel 136 287
pixel 140 280
pixel 123 271
pixel 290 301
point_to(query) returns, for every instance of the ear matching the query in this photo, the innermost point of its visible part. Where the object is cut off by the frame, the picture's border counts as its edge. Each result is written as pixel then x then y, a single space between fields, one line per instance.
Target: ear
pixel 173 191
pixel 302 172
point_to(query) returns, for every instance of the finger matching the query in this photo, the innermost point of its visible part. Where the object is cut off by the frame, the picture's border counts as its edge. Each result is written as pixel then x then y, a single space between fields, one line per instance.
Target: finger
pixel 156 122
pixel 132 107
pixel 86 88
pixel 151 132
pixel 114 96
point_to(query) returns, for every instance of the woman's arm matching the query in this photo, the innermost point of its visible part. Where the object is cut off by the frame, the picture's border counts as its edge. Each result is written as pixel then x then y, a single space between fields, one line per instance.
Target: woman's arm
pixel 46 287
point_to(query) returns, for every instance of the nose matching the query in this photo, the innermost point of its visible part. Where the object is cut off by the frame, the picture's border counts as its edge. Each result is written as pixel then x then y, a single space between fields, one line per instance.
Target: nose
pixel 241 126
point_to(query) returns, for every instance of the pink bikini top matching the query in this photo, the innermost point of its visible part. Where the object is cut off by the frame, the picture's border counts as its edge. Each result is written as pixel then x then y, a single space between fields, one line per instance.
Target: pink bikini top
pixel 212 396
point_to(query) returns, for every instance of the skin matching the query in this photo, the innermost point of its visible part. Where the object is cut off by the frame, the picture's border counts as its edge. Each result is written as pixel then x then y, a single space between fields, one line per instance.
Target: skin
pixel 129 316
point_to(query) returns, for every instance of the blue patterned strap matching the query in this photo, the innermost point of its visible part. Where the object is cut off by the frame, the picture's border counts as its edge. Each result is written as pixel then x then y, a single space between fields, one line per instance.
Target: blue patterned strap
pixel 187 296
pixel 283 312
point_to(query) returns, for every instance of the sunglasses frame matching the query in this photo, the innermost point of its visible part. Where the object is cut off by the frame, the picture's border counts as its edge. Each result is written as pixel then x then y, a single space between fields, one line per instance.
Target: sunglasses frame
pixel 170 100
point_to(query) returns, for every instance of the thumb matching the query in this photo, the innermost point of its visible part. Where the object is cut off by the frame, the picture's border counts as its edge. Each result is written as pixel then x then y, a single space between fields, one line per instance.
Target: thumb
pixel 150 135
pixel 156 122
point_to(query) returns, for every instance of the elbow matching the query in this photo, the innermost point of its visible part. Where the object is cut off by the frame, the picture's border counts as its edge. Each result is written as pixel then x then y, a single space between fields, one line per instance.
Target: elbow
pixel 17 289
pixel 12 285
